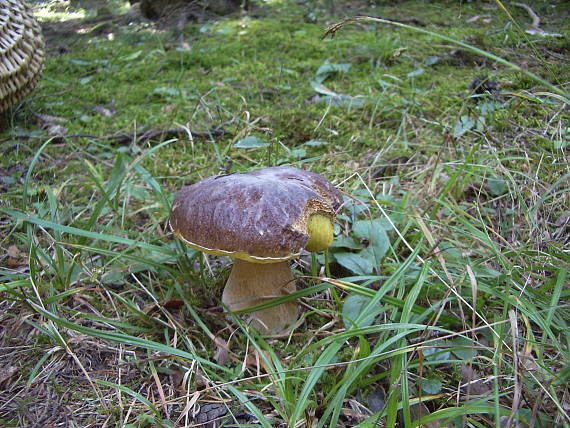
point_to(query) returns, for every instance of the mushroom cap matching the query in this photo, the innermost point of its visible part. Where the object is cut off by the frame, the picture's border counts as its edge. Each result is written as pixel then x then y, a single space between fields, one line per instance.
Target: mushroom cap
pixel 260 216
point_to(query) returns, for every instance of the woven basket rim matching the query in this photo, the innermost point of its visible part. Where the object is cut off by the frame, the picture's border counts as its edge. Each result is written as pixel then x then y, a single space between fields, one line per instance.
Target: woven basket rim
pixel 21 52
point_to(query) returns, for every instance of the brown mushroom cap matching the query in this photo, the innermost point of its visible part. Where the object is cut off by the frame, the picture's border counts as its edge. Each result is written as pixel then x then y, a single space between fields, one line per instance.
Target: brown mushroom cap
pixel 261 216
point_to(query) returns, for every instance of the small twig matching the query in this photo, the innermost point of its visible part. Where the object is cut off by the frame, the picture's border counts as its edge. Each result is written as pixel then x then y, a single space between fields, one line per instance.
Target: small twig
pixel 145 136
pixel 164 133
pixel 532 13
pixel 517 388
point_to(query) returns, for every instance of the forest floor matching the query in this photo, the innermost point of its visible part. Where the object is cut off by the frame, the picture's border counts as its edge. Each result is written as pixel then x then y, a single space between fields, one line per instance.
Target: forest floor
pixel 443 300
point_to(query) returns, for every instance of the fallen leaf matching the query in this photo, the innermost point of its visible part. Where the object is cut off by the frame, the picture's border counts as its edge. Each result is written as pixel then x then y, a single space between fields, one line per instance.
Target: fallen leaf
pixel 13 251
pixel 485 18
pixel 255 361
pixel 473 382
pixel 16 258
pixel 420 410
pixel 376 400
pixel 104 111
pixel 200 380
pixel 177 379
pixel 56 130
pixel 170 108
pixel 173 304
pixel 222 355
pixel 49 119
pixel 314 99
pixel 5 374
pixel 14 263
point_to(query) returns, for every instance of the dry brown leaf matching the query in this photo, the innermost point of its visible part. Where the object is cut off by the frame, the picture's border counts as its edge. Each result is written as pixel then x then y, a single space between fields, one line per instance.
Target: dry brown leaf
pixel 252 362
pixel 222 355
pixel 420 410
pixel 13 251
pixel 173 304
pixel 177 379
pixel 200 380
pixel 255 360
pixel 16 258
pixel 5 374
pixel 104 111
pixel 473 381
pixel 49 119
pixel 170 108
pixel 56 130
pixel 15 263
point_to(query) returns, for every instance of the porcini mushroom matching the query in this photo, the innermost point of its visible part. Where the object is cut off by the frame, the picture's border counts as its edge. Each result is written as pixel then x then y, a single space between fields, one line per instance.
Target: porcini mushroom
pixel 261 219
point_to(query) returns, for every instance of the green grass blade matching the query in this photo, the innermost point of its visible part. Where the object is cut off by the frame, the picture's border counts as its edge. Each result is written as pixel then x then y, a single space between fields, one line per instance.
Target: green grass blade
pixel 30 171
pixel 250 406
pixel 130 392
pixel 127 339
pixel 80 232
pixel 565 96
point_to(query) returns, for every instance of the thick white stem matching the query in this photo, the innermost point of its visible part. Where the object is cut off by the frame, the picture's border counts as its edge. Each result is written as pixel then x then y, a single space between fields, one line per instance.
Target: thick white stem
pixel 251 284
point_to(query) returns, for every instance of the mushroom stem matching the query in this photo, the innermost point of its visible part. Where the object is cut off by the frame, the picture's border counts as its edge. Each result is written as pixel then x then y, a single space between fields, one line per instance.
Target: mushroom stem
pixel 251 284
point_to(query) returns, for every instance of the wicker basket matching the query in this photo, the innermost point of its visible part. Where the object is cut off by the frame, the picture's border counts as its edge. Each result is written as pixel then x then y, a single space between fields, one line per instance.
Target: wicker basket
pixel 21 52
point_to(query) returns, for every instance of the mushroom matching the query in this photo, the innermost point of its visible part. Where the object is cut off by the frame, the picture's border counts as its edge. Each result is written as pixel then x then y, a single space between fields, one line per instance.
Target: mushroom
pixel 262 219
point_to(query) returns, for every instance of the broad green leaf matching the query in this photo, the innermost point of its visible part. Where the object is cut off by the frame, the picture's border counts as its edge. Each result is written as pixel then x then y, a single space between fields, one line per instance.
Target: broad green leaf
pixel 497 186
pixel 336 99
pixel 437 353
pixel 353 208
pixel 489 107
pixel 431 386
pixel 342 241
pixel 355 263
pixel 167 92
pixel 333 68
pixel 374 255
pixel 132 56
pixel 327 69
pixel 462 348
pixel 113 277
pixel 85 80
pixel 368 229
pixel 251 142
pixel 323 90
pixel 374 232
pixel 431 60
pixel 299 153
pixel 340 100
pixel 315 143
pixel 416 72
pixel 464 124
pixel 352 308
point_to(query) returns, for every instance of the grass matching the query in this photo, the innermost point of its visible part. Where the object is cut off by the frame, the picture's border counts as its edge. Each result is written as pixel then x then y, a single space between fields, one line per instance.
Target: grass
pixel 444 298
